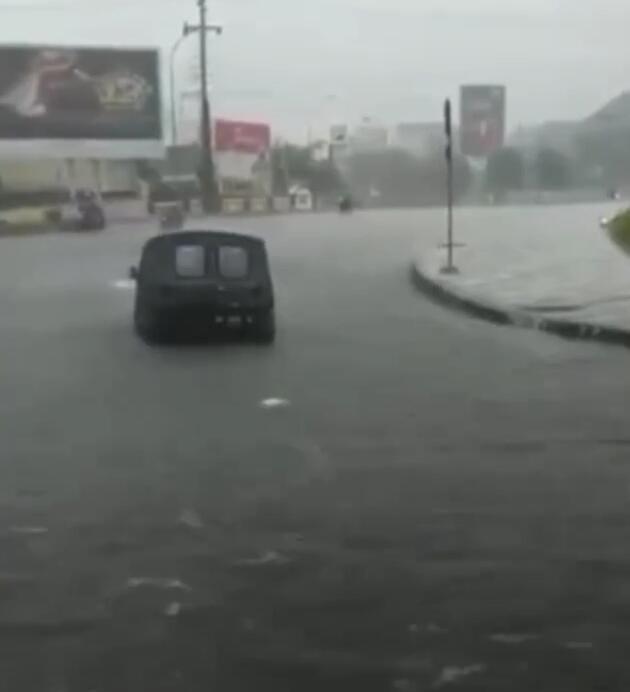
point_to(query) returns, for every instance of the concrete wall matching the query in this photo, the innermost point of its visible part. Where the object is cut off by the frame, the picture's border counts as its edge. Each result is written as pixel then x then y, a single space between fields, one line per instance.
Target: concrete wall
pixel 116 176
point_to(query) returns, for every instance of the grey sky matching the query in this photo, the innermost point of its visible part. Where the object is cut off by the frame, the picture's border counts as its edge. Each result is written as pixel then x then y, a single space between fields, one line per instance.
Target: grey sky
pixel 301 64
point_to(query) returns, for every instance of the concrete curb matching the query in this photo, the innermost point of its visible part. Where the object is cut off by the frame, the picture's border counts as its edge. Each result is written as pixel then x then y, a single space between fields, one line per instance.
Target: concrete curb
pixel 450 297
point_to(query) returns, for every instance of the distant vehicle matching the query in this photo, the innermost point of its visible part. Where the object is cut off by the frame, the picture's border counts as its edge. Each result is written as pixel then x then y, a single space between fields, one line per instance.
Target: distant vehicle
pixel 346 205
pixel 91 216
pixel 176 177
pixel 203 279
pixel 171 215
pixel 182 189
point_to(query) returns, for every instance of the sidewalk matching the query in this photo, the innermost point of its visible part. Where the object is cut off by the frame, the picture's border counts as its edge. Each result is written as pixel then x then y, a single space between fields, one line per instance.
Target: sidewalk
pixel 553 269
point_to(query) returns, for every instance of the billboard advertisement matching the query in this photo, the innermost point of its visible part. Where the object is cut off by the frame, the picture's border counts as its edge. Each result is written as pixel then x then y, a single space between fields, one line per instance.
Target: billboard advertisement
pixel 79 102
pixel 242 152
pixel 482 119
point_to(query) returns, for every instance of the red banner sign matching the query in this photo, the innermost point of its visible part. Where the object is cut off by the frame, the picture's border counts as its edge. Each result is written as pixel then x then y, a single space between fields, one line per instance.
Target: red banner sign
pixel 246 138
pixel 482 125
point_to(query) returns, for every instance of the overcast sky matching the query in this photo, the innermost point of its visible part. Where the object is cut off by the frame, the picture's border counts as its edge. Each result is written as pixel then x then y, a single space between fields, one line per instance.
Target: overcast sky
pixel 303 64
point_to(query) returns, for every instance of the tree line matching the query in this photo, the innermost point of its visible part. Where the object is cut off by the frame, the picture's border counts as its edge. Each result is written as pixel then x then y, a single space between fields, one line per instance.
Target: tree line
pixel 395 177
pixel 387 177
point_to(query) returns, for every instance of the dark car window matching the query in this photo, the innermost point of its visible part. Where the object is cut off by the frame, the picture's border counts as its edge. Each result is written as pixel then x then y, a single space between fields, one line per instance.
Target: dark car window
pixel 233 262
pixel 190 261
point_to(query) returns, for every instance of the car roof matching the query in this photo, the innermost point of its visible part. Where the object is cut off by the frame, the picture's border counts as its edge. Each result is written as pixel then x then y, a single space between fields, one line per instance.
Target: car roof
pixel 192 236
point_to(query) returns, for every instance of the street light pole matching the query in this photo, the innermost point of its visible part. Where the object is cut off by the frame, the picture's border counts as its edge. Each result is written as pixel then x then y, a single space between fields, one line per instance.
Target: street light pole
pixel 174 49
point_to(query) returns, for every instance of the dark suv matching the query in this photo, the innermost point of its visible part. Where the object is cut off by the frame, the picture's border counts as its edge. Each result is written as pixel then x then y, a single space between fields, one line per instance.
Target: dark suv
pixel 199 279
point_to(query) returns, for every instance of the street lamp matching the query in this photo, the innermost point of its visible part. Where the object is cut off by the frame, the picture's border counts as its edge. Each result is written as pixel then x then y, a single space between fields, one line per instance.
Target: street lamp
pixel 174 50
pixel 209 190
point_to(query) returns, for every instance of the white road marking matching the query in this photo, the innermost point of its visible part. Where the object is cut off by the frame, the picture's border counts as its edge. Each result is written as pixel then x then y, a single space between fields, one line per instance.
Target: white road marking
pixel 274 403
pixel 123 284
pixel 513 639
pixel 453 674
pixel 29 530
pixel 157 582
pixel 271 557
pixel 173 609
pixel 191 519
pixel 579 646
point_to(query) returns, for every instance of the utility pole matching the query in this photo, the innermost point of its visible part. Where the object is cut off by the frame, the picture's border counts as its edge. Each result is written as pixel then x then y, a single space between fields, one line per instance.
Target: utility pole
pixel 207 178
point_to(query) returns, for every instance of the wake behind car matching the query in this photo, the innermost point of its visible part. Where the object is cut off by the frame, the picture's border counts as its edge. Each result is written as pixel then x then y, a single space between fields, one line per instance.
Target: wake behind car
pixel 201 279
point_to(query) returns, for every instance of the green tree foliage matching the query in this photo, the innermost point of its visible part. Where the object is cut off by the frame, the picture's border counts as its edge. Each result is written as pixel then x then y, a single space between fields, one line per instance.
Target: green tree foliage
pixel 402 179
pixel 294 164
pixel 505 171
pixel 552 169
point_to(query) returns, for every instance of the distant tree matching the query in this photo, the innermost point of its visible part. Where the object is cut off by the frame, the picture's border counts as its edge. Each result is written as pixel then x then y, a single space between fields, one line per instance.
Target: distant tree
pixel 505 171
pixel 294 164
pixel 402 179
pixel 553 169
pixel 462 175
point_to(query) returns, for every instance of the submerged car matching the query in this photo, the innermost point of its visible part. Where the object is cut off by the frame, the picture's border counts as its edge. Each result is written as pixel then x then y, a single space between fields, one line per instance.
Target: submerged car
pixel 201 280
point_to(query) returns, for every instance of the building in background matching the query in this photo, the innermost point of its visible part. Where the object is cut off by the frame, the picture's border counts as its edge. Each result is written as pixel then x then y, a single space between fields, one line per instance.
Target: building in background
pixel 613 115
pixel 424 140
pixel 554 134
pixel 339 136
pixel 482 119
pixel 369 137
pixel 611 122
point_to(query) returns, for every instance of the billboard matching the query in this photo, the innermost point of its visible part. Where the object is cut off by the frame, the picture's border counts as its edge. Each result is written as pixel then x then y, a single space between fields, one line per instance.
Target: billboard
pixel 242 152
pixel 482 119
pixel 80 102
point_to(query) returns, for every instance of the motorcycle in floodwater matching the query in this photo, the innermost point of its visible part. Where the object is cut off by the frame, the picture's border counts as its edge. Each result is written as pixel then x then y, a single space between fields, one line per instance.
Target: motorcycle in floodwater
pixel 91 216
pixel 170 215
pixel 346 205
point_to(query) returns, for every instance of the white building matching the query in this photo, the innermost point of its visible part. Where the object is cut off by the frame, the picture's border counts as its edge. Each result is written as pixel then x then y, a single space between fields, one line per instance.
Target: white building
pixel 425 140
pixel 48 174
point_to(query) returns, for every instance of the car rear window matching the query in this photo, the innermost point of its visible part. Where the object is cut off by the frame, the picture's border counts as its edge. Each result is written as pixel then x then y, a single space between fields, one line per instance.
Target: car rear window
pixel 233 262
pixel 190 261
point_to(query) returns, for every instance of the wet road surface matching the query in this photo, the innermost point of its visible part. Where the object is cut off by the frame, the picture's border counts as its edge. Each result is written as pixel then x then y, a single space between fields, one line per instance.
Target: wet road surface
pixel 432 501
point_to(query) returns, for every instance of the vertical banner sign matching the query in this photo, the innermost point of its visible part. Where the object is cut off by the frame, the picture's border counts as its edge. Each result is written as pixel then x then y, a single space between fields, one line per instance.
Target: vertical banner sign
pixel 482 119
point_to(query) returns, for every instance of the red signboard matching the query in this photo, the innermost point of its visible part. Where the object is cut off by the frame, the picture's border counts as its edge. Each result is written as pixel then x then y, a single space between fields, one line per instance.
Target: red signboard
pixel 482 126
pixel 246 138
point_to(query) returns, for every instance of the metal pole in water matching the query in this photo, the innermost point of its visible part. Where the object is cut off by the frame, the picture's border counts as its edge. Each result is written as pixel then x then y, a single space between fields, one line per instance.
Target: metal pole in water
pixel 448 129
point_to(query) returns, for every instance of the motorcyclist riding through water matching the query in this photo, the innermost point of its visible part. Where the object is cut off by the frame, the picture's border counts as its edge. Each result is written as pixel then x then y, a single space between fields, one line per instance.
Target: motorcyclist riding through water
pixel 345 203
